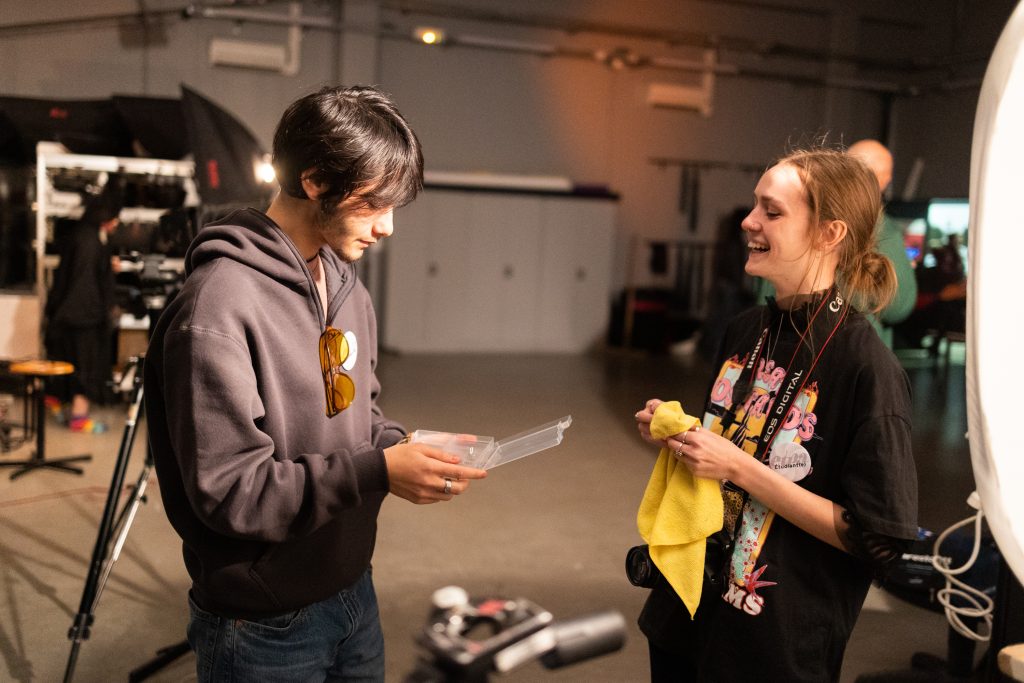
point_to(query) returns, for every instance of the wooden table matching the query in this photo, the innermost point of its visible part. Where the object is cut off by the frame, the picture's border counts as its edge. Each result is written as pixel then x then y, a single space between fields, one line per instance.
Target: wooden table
pixel 38 371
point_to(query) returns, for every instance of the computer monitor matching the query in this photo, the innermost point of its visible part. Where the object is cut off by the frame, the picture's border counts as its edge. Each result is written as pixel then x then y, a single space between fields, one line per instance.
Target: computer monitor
pixel 927 225
pixel 949 216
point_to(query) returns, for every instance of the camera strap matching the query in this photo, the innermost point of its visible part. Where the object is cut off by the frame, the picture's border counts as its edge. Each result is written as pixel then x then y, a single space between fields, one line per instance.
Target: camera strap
pixel 826 319
pixel 824 322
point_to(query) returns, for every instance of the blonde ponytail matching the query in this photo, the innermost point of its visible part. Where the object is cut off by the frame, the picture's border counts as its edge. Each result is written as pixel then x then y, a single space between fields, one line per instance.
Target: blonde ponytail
pixel 869 281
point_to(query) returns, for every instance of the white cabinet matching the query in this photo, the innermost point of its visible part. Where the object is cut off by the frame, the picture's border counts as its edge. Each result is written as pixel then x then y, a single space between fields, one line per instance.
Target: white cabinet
pixel 471 270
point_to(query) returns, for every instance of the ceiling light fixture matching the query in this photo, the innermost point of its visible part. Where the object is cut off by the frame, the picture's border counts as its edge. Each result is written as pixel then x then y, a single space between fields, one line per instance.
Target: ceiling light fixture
pixel 429 35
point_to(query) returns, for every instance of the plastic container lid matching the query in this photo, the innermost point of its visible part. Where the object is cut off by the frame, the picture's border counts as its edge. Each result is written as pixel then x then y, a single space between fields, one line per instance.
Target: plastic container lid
pixel 529 442
pixel 482 451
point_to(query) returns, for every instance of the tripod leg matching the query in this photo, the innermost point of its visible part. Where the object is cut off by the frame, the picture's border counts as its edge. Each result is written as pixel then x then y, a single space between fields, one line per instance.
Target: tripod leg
pixel 124 524
pixel 164 656
pixel 82 622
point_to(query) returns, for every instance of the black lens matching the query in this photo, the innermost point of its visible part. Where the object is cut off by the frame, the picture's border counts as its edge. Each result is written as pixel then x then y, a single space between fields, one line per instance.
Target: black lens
pixel 640 569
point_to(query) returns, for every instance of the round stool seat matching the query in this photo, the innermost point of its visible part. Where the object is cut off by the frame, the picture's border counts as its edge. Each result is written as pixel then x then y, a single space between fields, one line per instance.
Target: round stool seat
pixel 41 368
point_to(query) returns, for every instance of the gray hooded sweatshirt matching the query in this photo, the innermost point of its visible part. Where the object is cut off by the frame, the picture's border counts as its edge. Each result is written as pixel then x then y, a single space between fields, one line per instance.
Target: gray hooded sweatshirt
pixel 276 503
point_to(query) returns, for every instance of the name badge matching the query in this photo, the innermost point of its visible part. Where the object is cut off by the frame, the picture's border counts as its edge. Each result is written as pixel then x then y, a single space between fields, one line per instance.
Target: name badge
pixel 791 460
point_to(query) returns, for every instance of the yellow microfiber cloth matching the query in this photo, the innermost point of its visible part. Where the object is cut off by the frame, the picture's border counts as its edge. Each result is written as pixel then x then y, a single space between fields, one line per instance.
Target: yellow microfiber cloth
pixel 679 511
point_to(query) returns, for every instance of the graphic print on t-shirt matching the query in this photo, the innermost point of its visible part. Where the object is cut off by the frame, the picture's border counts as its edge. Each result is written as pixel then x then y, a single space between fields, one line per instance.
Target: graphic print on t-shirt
pixel 786 455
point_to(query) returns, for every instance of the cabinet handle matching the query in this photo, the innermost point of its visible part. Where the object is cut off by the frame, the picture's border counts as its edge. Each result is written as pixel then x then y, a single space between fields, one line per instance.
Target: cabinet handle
pixel 509 272
pixel 431 269
pixel 581 274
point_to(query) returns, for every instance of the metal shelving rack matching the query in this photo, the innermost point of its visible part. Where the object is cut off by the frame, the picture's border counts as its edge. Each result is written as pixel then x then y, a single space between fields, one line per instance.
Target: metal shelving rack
pixel 52 203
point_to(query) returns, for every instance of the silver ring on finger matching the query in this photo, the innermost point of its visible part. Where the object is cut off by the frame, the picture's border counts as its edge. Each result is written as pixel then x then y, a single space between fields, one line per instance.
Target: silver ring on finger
pixel 447 486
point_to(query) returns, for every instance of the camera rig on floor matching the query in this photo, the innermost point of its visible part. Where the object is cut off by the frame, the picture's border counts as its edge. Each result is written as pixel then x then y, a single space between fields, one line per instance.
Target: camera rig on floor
pixel 466 640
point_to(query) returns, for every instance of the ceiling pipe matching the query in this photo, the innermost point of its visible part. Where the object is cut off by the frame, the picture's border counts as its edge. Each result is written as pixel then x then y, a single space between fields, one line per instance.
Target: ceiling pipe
pixel 293 18
pixel 684 38
pixel 619 58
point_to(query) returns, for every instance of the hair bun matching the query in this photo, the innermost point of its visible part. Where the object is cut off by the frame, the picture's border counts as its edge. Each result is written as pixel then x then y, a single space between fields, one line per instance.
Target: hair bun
pixel 875 264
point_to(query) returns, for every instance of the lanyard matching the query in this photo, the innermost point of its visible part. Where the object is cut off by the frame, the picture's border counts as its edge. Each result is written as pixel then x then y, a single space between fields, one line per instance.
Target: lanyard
pixel 832 311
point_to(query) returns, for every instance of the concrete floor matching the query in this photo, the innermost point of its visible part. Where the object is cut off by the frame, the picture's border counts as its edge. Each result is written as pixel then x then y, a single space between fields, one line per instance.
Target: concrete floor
pixel 553 527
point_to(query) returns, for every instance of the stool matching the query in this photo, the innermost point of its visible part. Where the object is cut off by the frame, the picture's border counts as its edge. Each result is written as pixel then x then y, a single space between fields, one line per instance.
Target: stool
pixel 38 371
pixel 17 386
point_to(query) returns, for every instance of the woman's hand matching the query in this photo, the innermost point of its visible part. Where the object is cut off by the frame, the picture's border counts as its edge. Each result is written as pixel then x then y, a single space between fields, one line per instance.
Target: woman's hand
pixel 706 454
pixel 711 456
pixel 643 422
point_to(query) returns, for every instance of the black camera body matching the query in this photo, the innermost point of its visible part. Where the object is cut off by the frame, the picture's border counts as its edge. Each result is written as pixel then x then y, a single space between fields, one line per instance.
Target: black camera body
pixel 643 573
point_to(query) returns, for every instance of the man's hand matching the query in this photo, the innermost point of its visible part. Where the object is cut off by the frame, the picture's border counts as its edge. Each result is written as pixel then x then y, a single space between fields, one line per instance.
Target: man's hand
pixel 421 473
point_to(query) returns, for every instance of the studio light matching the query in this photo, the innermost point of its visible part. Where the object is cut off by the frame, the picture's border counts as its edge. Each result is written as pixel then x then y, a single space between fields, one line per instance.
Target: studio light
pixel 265 172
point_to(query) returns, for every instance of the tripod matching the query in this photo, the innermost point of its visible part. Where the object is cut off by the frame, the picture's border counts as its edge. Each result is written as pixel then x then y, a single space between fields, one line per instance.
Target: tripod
pixel 114 527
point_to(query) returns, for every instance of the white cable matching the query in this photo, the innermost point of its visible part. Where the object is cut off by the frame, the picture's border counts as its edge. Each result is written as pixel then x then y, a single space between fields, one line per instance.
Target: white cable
pixel 955 588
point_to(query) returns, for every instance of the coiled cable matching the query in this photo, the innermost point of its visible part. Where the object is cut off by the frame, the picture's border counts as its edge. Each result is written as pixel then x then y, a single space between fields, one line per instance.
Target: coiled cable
pixel 979 605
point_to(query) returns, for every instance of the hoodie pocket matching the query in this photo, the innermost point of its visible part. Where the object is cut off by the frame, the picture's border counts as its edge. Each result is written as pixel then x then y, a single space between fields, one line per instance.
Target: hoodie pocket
pixel 256 573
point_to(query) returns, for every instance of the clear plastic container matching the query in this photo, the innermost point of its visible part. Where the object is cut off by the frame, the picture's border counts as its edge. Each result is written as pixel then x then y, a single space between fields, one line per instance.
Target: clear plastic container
pixel 484 453
pixel 472 450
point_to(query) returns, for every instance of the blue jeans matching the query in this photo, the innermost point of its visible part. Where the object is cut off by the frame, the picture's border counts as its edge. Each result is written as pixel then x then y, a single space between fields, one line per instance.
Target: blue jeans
pixel 338 639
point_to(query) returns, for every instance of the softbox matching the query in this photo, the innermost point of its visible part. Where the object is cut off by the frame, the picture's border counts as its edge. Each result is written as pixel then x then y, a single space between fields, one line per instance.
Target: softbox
pixel 226 153
pixel 83 126
pixel 156 123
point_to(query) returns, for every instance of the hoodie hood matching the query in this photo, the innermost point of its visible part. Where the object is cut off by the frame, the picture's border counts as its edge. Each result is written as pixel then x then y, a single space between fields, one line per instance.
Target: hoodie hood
pixel 250 237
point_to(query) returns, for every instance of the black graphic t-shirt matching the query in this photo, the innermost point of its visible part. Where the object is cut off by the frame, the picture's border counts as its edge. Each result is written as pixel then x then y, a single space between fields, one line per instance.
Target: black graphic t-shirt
pixel 787 602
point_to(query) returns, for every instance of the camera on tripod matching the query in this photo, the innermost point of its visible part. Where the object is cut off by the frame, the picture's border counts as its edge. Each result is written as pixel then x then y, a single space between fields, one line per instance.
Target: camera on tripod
pixel 466 640
pixel 147 283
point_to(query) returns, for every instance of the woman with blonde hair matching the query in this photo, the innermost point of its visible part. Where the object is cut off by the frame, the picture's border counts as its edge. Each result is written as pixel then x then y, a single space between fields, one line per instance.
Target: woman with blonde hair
pixel 807 427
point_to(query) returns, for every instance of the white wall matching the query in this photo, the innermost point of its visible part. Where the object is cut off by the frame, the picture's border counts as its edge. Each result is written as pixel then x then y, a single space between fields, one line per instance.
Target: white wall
pixel 510 112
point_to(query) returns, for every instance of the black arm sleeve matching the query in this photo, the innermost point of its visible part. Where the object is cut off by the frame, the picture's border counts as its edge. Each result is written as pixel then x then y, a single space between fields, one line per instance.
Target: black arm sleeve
pixel 878 551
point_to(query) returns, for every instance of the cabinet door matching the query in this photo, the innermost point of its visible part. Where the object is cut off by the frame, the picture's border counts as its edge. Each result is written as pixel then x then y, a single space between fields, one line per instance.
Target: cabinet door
pixel 426 276
pixel 578 242
pixel 504 265
pixel 401 306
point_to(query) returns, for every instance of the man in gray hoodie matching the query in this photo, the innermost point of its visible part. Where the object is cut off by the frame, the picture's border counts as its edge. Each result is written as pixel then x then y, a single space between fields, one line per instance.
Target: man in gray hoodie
pixel 272 454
